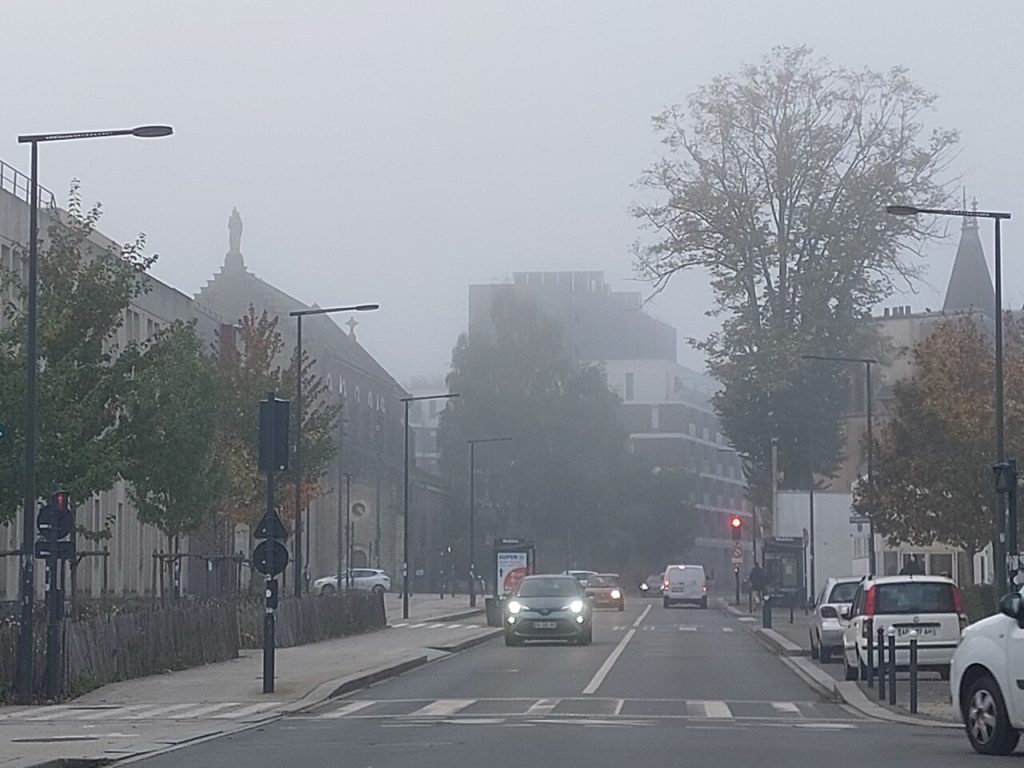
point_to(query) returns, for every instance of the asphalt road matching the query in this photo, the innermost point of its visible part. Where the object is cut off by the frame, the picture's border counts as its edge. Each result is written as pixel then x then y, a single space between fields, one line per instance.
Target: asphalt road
pixel 657 687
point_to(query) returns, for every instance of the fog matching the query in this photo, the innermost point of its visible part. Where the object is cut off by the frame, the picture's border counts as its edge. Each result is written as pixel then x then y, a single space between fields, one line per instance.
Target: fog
pixel 397 152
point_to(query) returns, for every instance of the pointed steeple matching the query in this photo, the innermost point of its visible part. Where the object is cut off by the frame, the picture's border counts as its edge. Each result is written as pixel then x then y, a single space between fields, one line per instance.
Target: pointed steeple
pixel 970 284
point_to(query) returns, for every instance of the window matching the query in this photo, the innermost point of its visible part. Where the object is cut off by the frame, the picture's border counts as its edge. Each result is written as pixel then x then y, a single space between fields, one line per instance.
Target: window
pixel 629 386
pixel 914 597
pixel 940 565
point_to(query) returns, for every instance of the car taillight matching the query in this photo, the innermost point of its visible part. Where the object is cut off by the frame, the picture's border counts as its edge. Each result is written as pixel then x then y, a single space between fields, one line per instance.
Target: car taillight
pixel 665 585
pixel 828 612
pixel 705 587
pixel 869 602
pixel 958 601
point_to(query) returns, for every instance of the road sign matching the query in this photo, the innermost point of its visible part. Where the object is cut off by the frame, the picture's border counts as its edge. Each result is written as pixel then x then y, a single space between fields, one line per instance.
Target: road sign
pixel 271 527
pixel 65 550
pixel 737 551
pixel 270 560
pixel 54 522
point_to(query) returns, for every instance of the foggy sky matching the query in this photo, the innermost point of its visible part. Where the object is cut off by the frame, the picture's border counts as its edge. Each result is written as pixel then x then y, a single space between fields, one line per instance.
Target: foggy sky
pixel 397 151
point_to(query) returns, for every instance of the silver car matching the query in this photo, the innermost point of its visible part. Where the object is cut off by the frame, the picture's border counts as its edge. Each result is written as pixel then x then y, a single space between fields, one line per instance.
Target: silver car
pixel 827 626
pixel 549 608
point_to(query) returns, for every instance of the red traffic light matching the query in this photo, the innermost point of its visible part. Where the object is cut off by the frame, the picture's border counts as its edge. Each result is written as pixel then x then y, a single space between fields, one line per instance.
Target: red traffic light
pixel 736 522
pixel 61 501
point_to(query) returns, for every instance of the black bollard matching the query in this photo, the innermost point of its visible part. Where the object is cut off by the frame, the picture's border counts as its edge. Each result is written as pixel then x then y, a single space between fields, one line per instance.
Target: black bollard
pixel 892 667
pixel 913 672
pixel 766 611
pixel 881 664
pixel 871 657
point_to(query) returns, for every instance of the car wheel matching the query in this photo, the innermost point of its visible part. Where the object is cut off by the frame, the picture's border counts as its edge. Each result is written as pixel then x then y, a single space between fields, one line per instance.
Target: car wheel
pixel 988 727
pixel 327 589
pixel 587 637
pixel 850 673
pixel 814 647
pixel 378 589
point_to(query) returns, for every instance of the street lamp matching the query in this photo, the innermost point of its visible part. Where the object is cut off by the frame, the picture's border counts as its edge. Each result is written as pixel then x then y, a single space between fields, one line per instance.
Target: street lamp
pixel 1005 529
pixel 405 506
pixel 298 314
pixel 472 511
pixel 27 584
pixel 867 362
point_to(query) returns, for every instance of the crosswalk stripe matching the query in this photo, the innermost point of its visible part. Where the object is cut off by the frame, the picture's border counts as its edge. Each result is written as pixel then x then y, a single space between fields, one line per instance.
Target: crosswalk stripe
pixel 401 624
pixel 786 706
pixel 113 712
pixel 454 626
pixel 727 629
pixel 543 706
pixel 687 629
pixel 416 626
pixel 717 710
pixel 442 707
pixel 348 709
pixel 747 618
pixel 254 709
pixel 53 713
pixel 436 626
pixel 209 709
pixel 159 711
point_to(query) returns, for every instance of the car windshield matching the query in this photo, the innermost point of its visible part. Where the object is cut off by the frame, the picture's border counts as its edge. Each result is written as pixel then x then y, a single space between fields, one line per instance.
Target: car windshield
pixel 843 592
pixel 549 587
pixel 603 580
pixel 914 597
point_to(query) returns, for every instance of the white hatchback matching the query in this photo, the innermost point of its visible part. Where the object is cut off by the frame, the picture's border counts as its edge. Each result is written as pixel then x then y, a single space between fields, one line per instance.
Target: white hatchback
pixel 930 606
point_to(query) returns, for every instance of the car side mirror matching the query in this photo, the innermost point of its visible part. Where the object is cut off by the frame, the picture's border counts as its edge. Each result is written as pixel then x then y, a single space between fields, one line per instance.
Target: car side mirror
pixel 845 614
pixel 1010 605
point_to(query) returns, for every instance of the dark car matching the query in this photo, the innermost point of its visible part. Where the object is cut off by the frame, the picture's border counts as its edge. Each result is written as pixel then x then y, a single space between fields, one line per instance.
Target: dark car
pixel 548 608
pixel 651 586
pixel 605 591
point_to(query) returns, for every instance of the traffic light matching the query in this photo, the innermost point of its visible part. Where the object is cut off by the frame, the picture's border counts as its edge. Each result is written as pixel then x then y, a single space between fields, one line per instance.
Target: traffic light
pixel 56 523
pixel 737 527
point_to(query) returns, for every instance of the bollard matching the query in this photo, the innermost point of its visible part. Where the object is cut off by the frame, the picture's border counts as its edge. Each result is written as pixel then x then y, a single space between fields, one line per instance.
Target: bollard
pixel 871 656
pixel 892 666
pixel 766 611
pixel 792 603
pixel 913 672
pixel 881 664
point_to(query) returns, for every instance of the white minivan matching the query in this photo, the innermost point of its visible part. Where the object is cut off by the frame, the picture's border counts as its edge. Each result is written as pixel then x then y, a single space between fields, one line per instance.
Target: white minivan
pixel 684 584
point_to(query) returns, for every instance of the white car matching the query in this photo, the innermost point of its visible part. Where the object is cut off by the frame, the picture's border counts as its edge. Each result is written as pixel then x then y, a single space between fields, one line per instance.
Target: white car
pixel 986 678
pixel 369 579
pixel 826 628
pixel 684 584
pixel 928 605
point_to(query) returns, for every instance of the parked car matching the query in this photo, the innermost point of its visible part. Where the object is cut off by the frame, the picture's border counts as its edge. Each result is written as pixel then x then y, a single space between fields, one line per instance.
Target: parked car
pixel 605 591
pixel 928 605
pixel 985 679
pixel 549 608
pixel 684 584
pixel 369 579
pixel 651 586
pixel 826 628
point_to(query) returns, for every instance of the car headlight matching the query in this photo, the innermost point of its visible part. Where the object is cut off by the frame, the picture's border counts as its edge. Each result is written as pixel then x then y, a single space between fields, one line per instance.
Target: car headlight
pixel 644 586
pixel 576 606
pixel 515 606
pixel 616 594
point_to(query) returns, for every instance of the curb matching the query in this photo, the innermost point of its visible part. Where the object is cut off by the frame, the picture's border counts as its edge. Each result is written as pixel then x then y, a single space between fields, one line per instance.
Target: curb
pixel 471 642
pixel 341 685
pixel 466 614
pixel 778 644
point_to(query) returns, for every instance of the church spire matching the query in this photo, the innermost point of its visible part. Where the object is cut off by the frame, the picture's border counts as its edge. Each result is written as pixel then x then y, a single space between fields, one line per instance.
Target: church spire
pixel 970 284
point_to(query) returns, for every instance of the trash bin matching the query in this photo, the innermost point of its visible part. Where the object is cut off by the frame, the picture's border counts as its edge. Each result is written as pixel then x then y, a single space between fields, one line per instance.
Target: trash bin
pixel 493 609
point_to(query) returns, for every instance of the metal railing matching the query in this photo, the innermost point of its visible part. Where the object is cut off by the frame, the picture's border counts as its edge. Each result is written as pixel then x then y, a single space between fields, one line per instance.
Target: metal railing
pixel 17 183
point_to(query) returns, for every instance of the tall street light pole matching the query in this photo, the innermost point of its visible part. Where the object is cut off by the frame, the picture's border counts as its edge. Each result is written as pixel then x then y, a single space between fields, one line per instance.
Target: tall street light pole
pixel 1004 538
pixel 26 585
pixel 299 415
pixel 472 511
pixel 405 504
pixel 867 362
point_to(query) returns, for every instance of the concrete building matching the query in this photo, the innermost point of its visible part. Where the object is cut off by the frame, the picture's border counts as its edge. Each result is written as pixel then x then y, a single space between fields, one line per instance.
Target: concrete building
pixel 665 407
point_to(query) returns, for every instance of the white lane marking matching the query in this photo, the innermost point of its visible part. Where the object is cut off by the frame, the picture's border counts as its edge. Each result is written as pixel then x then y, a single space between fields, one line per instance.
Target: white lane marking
pixel 786 706
pixel 542 707
pixel 618 628
pixel 253 709
pixel 642 616
pixel 437 626
pixel 687 629
pixel 401 624
pixel 190 714
pixel 618 707
pixel 602 673
pixel 416 626
pixel 442 707
pixel 727 629
pixel 716 710
pixel 348 709
pixel 747 618
pixel 454 626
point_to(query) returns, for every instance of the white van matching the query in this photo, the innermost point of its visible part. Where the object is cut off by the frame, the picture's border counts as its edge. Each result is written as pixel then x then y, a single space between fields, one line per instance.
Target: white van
pixel 685 584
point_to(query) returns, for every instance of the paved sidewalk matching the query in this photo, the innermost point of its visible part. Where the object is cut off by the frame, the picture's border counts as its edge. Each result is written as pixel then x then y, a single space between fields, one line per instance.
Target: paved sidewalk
pixel 150 714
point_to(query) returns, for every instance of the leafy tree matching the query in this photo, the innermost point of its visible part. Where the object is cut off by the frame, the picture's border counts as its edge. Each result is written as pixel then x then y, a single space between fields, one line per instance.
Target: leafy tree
pixel 933 457
pixel 775 182
pixel 83 291
pixel 168 420
pixel 566 480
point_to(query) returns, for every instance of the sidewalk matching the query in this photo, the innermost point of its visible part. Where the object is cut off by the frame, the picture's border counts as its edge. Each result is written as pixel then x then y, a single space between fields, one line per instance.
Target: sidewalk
pixel 151 714
pixel 793 640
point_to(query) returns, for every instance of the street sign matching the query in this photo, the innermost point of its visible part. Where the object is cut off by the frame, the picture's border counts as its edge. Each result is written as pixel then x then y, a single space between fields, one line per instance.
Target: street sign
pixel 270 560
pixel 737 551
pixel 65 550
pixel 271 527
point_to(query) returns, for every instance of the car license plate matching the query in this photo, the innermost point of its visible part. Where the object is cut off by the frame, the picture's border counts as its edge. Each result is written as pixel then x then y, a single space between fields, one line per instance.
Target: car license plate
pixel 921 631
pixel 545 624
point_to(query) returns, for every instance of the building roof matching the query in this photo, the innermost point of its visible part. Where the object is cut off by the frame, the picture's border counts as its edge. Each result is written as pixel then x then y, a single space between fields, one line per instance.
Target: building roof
pixel 970 284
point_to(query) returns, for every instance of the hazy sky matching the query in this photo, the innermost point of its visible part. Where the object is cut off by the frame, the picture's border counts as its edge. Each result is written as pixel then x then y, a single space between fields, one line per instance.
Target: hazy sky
pixel 398 151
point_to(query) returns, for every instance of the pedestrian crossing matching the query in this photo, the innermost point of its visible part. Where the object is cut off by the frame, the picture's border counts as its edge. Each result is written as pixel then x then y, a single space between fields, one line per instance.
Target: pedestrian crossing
pixel 524 709
pixel 225 710
pixel 432 625
pixel 673 628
